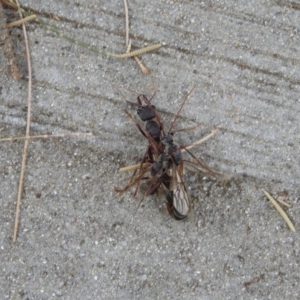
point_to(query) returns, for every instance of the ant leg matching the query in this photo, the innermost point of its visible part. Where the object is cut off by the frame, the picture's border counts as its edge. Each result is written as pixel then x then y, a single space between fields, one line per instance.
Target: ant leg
pixel 144 132
pixel 180 108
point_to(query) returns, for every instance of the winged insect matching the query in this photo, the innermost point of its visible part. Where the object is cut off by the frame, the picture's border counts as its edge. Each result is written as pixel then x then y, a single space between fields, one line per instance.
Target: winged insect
pixel 165 164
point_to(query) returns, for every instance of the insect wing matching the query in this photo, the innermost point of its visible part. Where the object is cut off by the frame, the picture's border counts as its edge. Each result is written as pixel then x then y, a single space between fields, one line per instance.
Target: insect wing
pixel 181 200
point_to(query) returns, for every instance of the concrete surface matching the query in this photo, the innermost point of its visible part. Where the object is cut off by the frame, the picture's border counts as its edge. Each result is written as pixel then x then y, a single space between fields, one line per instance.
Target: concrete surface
pixel 77 240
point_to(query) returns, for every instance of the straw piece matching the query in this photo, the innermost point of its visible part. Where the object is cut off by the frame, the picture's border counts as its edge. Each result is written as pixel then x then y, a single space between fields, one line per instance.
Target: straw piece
pixel 280 210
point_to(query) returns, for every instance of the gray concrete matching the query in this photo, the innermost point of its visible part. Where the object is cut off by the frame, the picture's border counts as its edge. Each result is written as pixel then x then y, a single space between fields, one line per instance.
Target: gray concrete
pixel 77 240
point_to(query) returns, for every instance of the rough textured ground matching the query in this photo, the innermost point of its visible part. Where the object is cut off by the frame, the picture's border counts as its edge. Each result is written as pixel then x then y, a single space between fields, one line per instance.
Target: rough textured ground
pixel 76 239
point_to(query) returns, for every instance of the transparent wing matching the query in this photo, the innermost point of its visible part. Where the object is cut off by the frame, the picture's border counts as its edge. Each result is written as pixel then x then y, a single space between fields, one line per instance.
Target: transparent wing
pixel 181 201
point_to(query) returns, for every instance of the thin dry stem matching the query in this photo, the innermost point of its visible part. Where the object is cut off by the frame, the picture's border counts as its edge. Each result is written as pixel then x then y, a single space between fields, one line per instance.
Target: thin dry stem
pixel 180 108
pixel 280 210
pixel 128 47
pixel 126 23
pixel 202 140
pixel 27 131
pixel 134 167
pixel 143 68
pixel 45 136
pixel 139 62
pixel 21 21
pixel 283 203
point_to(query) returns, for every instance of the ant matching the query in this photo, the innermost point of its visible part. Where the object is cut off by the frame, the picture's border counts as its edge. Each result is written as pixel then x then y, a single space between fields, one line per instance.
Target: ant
pixel 164 159
pixel 154 127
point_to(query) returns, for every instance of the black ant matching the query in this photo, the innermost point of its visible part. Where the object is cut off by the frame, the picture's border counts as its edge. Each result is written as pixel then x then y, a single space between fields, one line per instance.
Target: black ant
pixel 165 159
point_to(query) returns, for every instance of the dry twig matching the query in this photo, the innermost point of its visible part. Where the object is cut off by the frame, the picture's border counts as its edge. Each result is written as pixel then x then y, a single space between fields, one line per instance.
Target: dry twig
pixel 21 21
pixel 280 210
pixel 139 62
pixel 202 140
pixel 134 167
pixel 27 131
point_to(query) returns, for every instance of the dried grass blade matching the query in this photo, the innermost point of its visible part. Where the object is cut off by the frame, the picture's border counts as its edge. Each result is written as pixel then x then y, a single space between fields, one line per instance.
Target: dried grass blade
pixel 134 167
pixel 136 52
pixel 21 21
pixel 202 140
pixel 27 130
pixel 280 210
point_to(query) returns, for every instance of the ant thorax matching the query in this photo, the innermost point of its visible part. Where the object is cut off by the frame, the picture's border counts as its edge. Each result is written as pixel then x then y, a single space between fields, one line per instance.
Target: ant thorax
pixel 173 151
pixel 153 129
